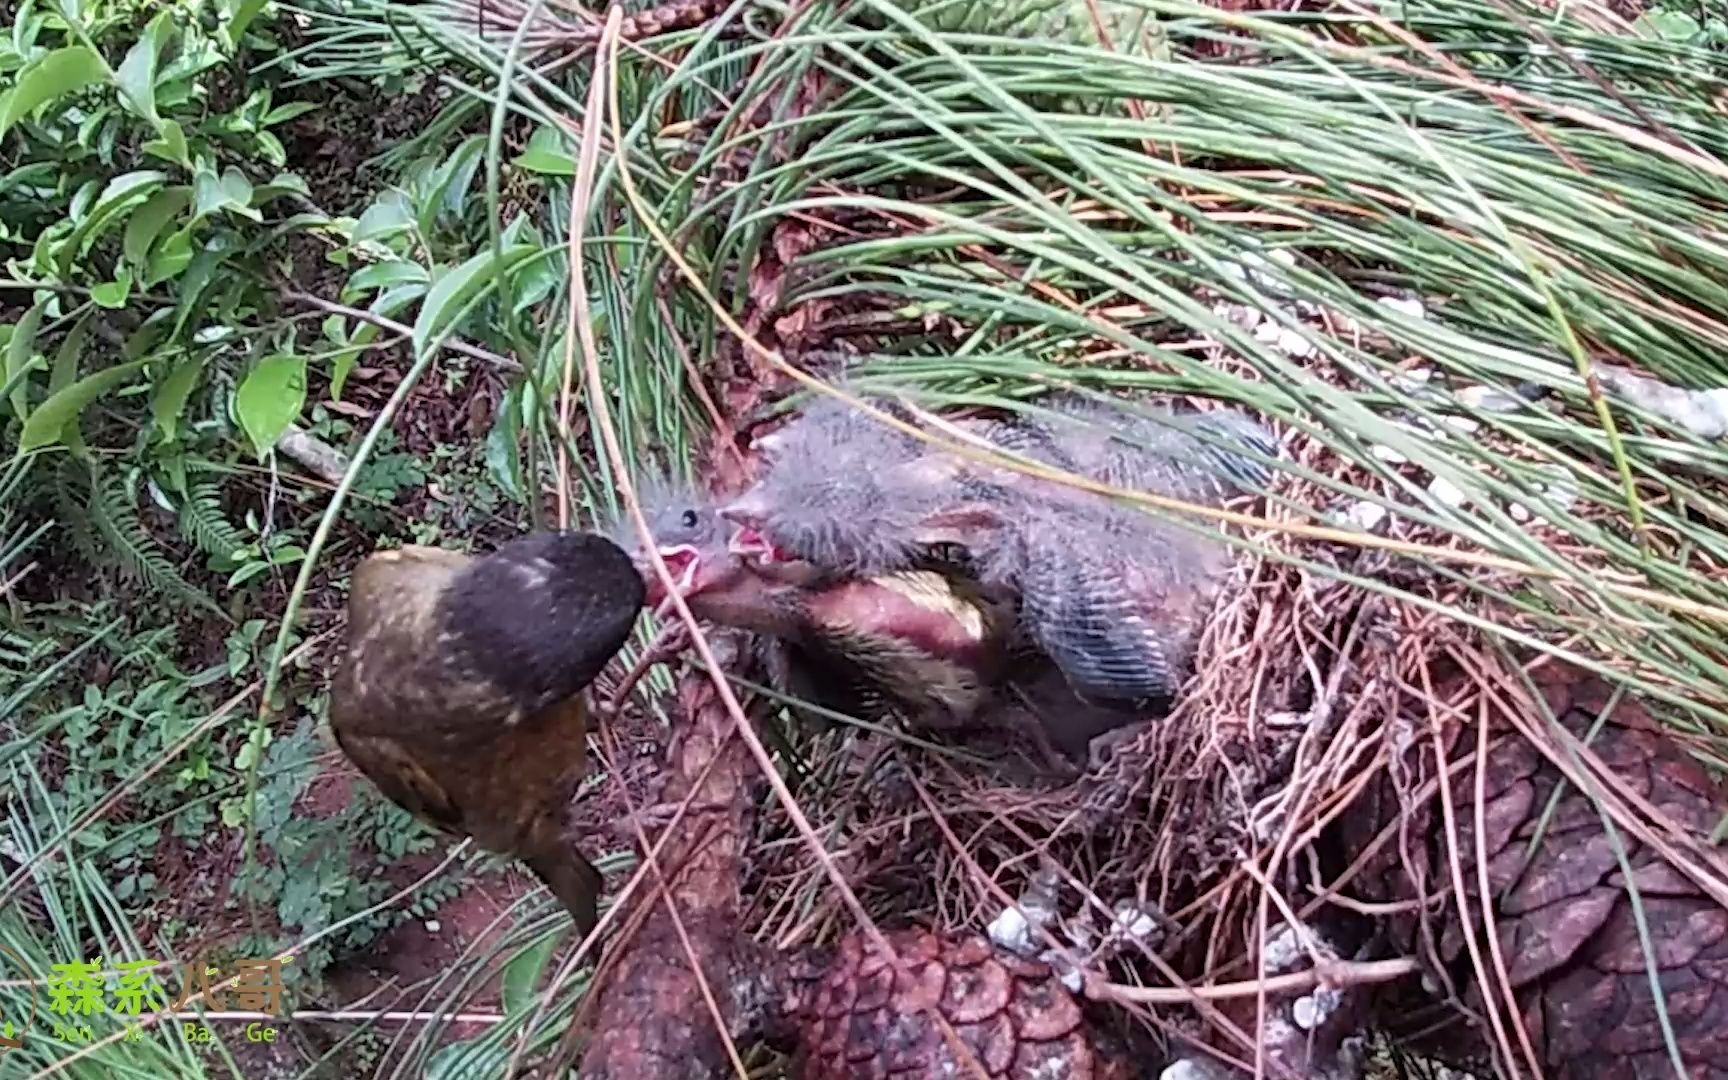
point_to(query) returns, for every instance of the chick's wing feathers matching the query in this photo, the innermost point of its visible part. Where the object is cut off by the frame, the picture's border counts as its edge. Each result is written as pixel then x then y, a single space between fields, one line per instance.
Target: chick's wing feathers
pixel 1112 595
pixel 1195 456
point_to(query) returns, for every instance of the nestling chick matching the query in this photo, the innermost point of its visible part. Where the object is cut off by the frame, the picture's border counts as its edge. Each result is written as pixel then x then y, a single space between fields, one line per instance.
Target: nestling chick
pixel 460 691
pixel 689 535
pixel 910 643
pixel 845 493
pixel 1115 596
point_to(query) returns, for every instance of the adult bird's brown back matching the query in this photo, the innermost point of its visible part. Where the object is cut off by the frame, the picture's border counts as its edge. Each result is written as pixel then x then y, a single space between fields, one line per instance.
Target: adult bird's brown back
pixel 460 691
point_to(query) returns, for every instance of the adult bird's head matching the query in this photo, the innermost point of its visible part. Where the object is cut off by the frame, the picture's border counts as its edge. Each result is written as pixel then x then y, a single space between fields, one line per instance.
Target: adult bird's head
pixel 543 614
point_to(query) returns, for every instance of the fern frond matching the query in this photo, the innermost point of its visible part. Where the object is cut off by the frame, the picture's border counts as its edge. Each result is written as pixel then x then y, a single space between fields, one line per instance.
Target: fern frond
pixel 202 521
pixel 113 516
pixel 70 491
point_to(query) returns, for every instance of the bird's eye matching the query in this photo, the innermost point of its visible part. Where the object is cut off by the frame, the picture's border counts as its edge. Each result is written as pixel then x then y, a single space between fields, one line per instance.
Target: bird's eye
pixel 690 519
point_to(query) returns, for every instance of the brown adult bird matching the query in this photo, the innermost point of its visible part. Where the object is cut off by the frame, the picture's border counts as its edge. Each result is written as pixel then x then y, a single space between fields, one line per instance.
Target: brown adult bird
pixel 460 691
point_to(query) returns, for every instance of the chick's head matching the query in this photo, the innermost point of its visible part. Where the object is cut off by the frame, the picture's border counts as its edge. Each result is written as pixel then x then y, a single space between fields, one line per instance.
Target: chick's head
pixel 842 492
pixel 690 537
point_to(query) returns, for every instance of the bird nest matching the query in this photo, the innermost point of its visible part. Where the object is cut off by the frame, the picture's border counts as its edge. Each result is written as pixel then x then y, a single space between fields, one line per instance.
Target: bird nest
pixel 1297 852
pixel 1244 875
pixel 1293 712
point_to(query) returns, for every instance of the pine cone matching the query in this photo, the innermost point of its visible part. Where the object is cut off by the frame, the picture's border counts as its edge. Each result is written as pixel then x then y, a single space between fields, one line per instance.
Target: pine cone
pixel 1564 919
pixel 854 1017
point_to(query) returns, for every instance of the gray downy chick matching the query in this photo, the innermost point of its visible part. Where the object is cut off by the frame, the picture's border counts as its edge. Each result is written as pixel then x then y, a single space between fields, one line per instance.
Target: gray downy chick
pixel 846 493
pixel 1114 596
pixel 916 645
pixel 690 536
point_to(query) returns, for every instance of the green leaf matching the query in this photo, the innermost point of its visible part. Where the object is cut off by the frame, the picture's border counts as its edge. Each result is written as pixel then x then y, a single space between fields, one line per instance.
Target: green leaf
pixel 385 218
pixel 535 284
pixel 65 373
pixel 452 182
pixel 455 290
pixel 343 363
pixel 270 399
pixel 270 148
pixel 230 191
pixel 46 425
pixel 503 445
pixel 171 144
pixel 66 359
pixel 546 154
pixel 234 812
pixel 121 194
pixel 281 184
pixel 148 221
pixel 136 75
pixel 523 973
pixel 149 333
pixel 240 16
pixel 61 72
pixel 19 351
pixel 239 191
pixel 172 394
pixel 283 113
pixel 396 299
pixel 172 257
pixel 113 294
pixel 382 276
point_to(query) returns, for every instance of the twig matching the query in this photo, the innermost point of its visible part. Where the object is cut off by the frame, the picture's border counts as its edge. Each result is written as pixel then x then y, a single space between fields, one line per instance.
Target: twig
pixel 10 583
pixel 454 344
pixel 670 641
pixel 1336 974
pixel 317 456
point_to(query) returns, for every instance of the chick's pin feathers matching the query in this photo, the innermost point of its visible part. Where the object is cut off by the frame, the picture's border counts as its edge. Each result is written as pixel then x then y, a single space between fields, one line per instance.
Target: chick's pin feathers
pixel 844 491
pixel 1194 456
pixel 1114 601
pixel 1115 596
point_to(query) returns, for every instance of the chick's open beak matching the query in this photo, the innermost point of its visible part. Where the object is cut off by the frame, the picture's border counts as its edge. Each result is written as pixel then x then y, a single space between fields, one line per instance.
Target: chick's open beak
pixel 683 562
pixel 749 543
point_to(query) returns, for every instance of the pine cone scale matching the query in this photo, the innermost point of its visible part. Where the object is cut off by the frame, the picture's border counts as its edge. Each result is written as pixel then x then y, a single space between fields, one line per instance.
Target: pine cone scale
pixel 955 1004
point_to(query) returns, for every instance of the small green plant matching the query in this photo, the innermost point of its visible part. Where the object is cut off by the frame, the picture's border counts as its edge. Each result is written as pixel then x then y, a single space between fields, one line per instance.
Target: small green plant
pixel 1696 27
